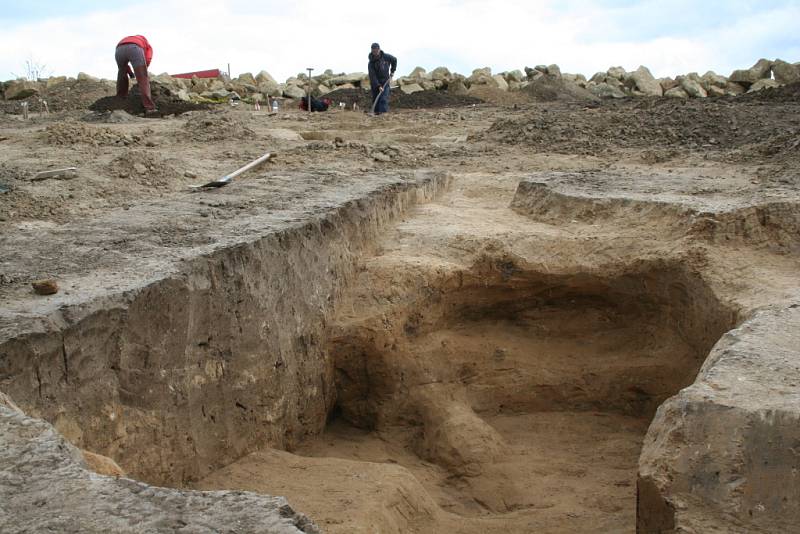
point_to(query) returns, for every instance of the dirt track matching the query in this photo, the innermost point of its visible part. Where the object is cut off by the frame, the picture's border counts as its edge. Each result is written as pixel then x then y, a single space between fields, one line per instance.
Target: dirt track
pixel 498 354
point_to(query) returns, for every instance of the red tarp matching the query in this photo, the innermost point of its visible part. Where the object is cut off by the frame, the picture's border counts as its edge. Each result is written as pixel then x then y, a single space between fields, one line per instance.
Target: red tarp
pixel 213 73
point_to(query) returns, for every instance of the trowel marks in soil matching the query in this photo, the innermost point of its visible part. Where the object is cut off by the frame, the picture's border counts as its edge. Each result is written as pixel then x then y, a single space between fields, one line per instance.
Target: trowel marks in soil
pixel 166 102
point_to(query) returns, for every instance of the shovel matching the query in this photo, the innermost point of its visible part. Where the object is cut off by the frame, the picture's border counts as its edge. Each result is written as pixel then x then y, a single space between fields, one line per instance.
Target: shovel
pixel 378 97
pixel 225 180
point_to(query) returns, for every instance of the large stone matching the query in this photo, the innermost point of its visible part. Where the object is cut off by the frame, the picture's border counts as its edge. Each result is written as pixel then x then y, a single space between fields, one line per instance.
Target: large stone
pixel 45 486
pixel 765 83
pixel 554 70
pixel 428 85
pixel 441 73
pixel 693 88
pixel 83 77
pixel 247 78
pixel 676 92
pixel 19 89
pixel 501 82
pixel 759 71
pixel 457 87
pixel 711 78
pixel 515 76
pixel 598 77
pixel 713 90
pixel 411 88
pixel 734 89
pixel 604 90
pixel 265 77
pixel 668 83
pixel 53 81
pixel 785 72
pixel 485 71
pixel 293 91
pixel 419 74
pixel 617 72
pixel 353 78
pixel 644 81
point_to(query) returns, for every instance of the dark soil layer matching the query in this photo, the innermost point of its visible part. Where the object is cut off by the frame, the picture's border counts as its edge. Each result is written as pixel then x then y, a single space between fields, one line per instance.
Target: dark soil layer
pixel 400 100
pixel 67 96
pixel 166 102
pixel 730 129
pixel 785 93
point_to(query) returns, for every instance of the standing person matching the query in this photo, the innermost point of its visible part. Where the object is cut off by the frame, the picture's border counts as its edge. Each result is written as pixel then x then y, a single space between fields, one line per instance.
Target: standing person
pixel 381 69
pixel 137 51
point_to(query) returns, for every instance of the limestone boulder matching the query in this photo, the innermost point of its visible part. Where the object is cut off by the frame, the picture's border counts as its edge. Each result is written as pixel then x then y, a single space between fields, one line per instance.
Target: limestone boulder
pixel 693 88
pixel 713 90
pixel 668 83
pixel 676 92
pixel 501 82
pixel 54 81
pixel 761 70
pixel 711 78
pixel 352 78
pixel 457 87
pixel 19 89
pixel 643 81
pixel 734 89
pixel 411 88
pixel 441 73
pixel 419 74
pixel 554 71
pixel 293 91
pixel 428 85
pixel 785 72
pixel 514 76
pixel 616 72
pixel 763 84
pixel 265 77
pixel 598 77
pixel 83 77
pixel 247 78
pixel 605 90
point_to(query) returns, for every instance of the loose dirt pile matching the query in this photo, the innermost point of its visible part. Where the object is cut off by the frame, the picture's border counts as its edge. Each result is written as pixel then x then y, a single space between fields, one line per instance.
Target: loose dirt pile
pixel 736 129
pixel 143 167
pixel 400 100
pixel 66 96
pixel 166 102
pixel 69 133
pixel 550 89
pixel 217 126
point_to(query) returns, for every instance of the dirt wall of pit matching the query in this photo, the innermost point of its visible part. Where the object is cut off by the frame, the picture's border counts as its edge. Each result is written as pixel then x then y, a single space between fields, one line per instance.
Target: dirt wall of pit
pixel 198 369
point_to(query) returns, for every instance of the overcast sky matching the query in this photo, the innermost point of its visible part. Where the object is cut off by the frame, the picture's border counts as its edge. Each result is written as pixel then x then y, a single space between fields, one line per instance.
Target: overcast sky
pixel 581 36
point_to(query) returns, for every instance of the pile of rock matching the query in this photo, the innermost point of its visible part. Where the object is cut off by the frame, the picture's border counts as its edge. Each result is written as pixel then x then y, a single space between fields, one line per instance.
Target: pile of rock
pixel 614 83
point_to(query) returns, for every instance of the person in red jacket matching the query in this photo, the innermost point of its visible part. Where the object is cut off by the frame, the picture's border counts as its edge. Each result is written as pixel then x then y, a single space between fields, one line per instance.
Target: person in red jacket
pixel 136 51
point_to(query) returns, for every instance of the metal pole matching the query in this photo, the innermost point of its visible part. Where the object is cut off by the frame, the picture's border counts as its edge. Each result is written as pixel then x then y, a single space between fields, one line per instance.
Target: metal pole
pixel 308 102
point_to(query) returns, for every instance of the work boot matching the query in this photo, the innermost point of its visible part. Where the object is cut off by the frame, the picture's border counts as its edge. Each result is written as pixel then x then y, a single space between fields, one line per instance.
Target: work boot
pixel 122 83
pixel 144 88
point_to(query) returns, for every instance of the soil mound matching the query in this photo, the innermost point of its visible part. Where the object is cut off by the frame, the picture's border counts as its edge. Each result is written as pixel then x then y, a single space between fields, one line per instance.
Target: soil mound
pixel 739 129
pixel 143 167
pixel 498 97
pixel 784 93
pixel 217 125
pixel 166 102
pixel 550 89
pixel 72 133
pixel 67 96
pixel 400 100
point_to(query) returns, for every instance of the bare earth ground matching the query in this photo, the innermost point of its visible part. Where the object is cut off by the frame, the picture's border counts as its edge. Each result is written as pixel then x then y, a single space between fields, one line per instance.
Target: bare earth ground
pixel 551 392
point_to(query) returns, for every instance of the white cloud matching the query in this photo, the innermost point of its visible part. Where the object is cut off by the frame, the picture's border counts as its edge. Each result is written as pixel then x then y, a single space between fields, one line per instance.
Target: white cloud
pixel 286 38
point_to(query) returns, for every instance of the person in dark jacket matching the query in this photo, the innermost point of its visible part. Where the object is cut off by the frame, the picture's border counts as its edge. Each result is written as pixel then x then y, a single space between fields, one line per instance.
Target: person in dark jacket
pixel 135 50
pixel 381 69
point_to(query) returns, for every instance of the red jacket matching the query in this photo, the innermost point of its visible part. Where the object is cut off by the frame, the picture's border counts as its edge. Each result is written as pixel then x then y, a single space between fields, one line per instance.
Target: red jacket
pixel 142 42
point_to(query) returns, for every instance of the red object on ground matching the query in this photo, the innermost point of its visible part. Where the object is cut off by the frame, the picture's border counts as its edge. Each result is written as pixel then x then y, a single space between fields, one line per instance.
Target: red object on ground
pixel 213 73
pixel 142 42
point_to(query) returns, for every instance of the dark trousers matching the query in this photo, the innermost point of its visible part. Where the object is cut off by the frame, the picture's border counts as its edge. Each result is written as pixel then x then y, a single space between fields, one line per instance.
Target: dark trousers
pixel 133 54
pixel 383 100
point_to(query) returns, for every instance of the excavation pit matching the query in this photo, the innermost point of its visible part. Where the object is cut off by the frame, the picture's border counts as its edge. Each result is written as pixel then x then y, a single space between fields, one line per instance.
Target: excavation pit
pixel 495 402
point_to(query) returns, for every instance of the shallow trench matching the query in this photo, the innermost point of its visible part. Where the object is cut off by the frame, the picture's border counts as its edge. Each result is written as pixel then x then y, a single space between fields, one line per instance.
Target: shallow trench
pixel 512 401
